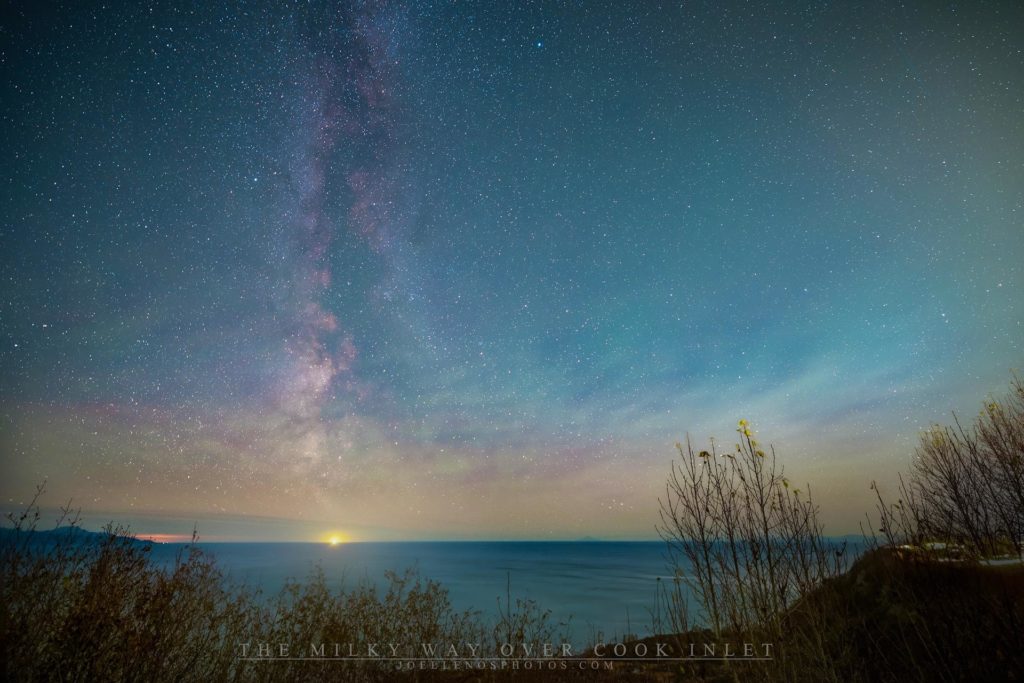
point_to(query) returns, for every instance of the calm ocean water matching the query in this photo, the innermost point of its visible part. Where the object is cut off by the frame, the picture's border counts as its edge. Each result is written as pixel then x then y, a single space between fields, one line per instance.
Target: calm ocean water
pixel 602 586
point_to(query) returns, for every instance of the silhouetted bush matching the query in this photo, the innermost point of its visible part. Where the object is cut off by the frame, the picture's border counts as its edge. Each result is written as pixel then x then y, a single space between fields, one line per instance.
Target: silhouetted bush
pixel 79 606
pixel 748 544
pixel 966 486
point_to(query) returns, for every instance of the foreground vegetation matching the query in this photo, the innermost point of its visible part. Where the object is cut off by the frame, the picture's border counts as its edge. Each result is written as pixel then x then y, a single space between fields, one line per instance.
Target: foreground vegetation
pixel 751 560
pixel 79 609
pixel 939 596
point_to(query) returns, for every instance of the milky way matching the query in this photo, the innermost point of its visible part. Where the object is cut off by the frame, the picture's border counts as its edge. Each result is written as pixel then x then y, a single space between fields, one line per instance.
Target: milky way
pixel 346 131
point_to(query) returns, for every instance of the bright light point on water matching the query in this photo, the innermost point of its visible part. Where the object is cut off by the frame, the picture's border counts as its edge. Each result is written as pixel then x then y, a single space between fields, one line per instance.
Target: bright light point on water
pixel 335 540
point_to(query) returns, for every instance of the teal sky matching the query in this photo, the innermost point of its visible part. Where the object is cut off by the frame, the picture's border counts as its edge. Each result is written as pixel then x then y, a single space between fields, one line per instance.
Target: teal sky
pixel 468 270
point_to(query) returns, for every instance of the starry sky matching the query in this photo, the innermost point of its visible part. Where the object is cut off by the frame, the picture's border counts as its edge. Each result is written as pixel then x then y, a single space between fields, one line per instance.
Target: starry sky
pixel 461 270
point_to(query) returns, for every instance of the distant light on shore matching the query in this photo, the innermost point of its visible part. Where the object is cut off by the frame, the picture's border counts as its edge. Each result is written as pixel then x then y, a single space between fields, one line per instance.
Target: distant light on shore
pixel 336 539
pixel 165 538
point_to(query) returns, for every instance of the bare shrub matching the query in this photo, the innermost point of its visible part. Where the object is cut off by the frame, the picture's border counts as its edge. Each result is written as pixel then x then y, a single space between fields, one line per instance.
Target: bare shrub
pixel 747 543
pixel 961 503
pixel 524 626
pixel 312 617
pixel 89 609
pixel 966 485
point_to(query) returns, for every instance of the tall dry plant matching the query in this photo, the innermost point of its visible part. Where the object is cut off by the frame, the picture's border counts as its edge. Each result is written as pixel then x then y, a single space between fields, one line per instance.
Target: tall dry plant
pixel 748 544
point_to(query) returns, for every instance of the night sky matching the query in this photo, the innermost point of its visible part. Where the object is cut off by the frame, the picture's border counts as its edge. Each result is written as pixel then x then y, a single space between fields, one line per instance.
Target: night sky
pixel 469 270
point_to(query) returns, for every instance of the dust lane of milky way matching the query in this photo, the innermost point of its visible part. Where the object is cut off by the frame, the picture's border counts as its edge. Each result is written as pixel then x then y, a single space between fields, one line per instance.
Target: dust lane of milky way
pixel 349 104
